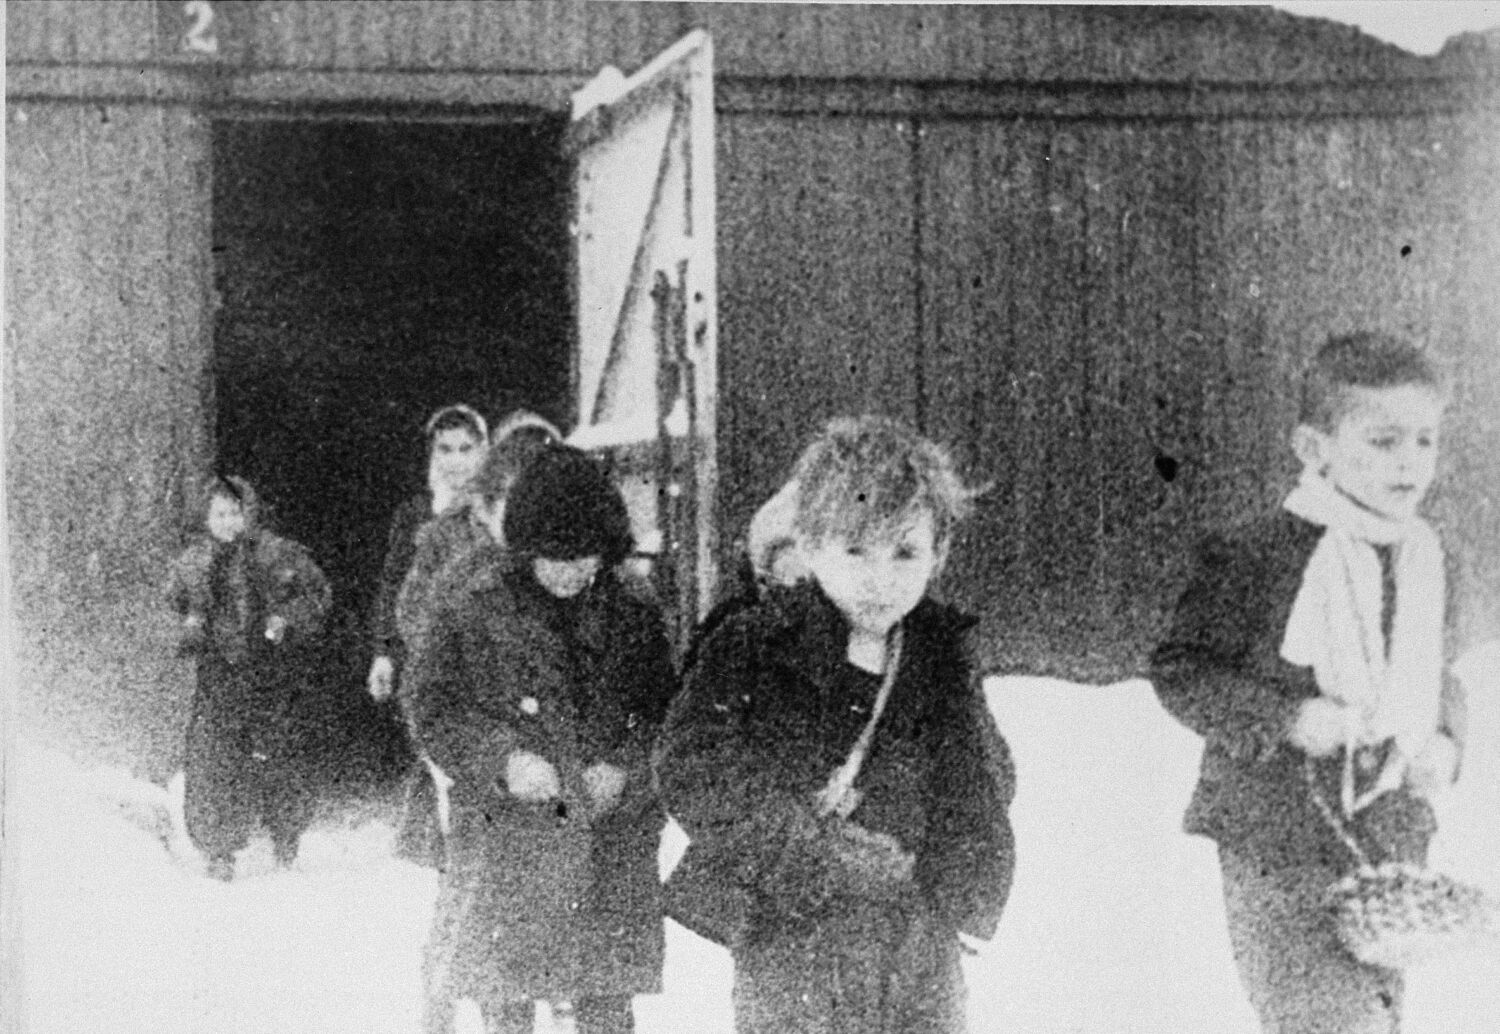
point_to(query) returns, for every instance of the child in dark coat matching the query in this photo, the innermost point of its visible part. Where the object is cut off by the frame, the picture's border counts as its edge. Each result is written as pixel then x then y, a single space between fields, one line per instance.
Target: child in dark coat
pixel 856 893
pixel 252 604
pixel 457 443
pixel 538 686
pixel 457 439
pixel 461 528
pixel 1308 652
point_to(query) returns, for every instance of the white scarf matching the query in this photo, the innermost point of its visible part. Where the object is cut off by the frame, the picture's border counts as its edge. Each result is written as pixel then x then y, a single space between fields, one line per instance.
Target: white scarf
pixel 1335 622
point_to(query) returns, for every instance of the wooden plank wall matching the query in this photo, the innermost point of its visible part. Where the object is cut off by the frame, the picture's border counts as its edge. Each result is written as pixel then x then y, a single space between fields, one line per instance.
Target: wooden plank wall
pixel 1116 316
pixel 817 303
pixel 1086 245
pixel 917 42
pixel 1105 317
pixel 107 298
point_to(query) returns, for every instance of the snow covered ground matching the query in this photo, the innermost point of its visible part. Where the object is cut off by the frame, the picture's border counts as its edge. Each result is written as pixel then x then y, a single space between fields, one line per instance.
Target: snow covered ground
pixel 1115 924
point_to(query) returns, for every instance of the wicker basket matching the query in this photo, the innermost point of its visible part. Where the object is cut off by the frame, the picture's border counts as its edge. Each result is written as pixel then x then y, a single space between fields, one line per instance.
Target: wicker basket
pixel 1397 915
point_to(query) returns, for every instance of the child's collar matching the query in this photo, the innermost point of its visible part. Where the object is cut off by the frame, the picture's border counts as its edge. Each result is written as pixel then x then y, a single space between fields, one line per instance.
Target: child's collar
pixel 815 636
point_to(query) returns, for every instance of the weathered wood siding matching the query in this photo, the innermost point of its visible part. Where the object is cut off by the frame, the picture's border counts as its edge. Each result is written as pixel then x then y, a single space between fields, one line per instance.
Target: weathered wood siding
pixel 1115 316
pixel 107 222
pixel 817 302
pixel 1089 246
pixel 916 42
pixel 106 350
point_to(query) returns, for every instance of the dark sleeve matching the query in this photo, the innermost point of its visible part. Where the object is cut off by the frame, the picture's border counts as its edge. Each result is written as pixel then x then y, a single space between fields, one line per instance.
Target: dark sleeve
pixel 745 595
pixel 649 688
pixel 400 551
pixel 1204 670
pixel 727 770
pixel 710 764
pixel 431 547
pixel 453 723
pixel 300 593
pixel 967 859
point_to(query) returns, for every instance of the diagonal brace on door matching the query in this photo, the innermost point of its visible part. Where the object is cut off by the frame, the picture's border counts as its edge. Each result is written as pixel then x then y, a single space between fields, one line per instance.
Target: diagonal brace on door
pixel 639 266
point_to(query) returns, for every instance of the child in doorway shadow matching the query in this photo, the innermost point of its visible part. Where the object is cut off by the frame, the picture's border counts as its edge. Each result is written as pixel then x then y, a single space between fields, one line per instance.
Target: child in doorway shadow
pixel 252 604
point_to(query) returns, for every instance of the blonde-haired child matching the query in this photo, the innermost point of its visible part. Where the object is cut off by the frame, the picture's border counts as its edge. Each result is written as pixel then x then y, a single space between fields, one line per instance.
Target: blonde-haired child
pixel 857 889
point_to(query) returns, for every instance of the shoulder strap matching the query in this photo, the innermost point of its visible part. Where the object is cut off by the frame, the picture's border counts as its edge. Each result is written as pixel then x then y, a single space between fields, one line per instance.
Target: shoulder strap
pixel 844 777
pixel 1337 821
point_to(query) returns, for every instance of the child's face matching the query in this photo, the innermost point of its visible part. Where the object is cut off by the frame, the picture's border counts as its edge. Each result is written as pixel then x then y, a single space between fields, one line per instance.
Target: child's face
pixel 1383 452
pixel 226 518
pixel 456 456
pixel 876 583
pixel 565 578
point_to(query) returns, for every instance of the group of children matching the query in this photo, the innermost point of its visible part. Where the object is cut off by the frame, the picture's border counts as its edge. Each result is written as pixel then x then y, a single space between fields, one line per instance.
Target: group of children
pixel 827 744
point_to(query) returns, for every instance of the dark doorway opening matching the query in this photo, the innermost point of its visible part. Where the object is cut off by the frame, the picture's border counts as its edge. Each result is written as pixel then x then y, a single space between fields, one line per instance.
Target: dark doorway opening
pixel 367 273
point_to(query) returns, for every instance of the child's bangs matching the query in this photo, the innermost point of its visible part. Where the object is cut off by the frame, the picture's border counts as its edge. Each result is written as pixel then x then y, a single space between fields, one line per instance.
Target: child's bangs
pixel 865 506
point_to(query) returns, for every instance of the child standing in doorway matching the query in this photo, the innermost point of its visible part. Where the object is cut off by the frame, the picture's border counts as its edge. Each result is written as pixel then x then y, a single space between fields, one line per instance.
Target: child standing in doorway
pixel 457 441
pixel 1308 651
pixel 457 532
pixel 858 875
pixel 252 604
pixel 457 438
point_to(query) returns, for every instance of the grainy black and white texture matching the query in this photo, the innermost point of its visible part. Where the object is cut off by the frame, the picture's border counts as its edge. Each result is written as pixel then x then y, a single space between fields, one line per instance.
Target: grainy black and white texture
pixel 1087 247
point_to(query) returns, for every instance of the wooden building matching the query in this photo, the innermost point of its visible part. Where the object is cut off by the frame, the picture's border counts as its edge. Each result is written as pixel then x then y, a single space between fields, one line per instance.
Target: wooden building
pixel 1086 246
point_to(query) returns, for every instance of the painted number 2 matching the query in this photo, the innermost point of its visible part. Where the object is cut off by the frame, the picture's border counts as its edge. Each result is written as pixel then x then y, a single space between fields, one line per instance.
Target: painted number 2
pixel 200 38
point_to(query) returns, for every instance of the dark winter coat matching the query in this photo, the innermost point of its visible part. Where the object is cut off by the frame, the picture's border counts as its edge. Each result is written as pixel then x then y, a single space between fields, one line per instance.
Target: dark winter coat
pixel 544 900
pixel 261 576
pixel 437 544
pixel 1219 672
pixel 245 712
pixel 400 552
pixel 768 711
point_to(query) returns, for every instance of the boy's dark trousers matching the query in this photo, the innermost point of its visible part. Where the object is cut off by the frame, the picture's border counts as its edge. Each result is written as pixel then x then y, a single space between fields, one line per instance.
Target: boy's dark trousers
pixel 869 969
pixel 1298 975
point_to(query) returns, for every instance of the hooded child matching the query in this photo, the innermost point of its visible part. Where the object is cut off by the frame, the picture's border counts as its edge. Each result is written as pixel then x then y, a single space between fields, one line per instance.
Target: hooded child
pixel 252 605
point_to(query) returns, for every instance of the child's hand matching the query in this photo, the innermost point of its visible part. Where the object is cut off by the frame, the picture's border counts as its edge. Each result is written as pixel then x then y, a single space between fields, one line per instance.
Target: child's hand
pixel 1434 768
pixel 1321 727
pixel 531 777
pixel 276 628
pixel 605 784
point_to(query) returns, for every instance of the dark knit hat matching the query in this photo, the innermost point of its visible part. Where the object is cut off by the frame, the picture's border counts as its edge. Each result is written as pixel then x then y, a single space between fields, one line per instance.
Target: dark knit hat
pixel 562 507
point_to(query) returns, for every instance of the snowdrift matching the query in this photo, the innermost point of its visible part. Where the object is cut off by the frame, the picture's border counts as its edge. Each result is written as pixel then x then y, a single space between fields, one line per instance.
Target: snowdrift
pixel 1115 924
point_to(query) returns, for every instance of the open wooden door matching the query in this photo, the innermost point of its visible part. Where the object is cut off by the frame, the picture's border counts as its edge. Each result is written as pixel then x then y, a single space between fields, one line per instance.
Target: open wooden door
pixel 645 360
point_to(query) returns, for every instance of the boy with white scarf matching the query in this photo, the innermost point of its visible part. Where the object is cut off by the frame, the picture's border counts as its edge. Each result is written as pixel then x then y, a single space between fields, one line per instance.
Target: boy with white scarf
pixel 1308 651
